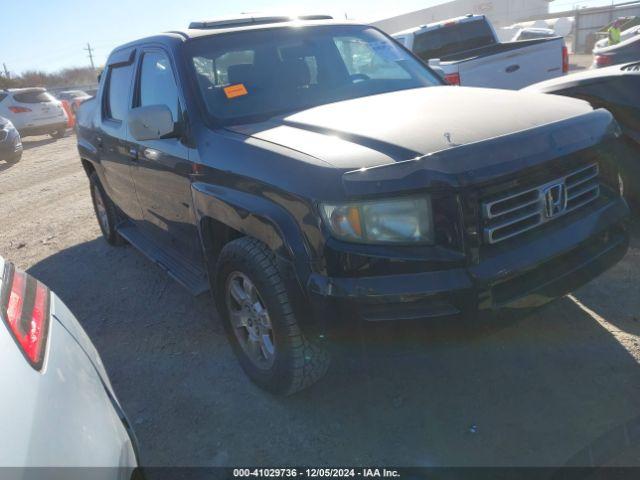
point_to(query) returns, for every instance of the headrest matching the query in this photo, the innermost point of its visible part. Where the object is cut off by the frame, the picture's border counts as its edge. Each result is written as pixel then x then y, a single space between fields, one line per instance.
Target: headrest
pixel 242 73
pixel 296 72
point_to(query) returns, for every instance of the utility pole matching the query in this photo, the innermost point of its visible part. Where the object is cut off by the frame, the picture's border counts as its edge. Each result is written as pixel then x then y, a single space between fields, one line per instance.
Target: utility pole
pixel 6 71
pixel 90 50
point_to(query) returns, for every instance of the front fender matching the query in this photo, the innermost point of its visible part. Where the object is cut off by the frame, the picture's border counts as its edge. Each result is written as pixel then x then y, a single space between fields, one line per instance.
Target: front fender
pixel 262 218
pixel 255 216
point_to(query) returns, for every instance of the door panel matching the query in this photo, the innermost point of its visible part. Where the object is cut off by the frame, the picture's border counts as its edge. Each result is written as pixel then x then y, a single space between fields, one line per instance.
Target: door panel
pixel 514 69
pixel 163 172
pixel 112 141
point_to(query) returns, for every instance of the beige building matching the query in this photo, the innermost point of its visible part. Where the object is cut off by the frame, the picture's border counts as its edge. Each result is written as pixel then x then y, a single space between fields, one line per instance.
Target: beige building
pixel 502 13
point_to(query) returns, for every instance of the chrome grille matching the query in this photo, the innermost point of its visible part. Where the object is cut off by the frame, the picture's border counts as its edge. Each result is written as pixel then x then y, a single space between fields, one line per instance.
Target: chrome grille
pixel 514 214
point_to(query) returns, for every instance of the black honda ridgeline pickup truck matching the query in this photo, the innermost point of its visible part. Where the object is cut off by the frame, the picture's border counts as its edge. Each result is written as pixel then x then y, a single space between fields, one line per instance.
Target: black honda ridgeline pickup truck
pixel 313 173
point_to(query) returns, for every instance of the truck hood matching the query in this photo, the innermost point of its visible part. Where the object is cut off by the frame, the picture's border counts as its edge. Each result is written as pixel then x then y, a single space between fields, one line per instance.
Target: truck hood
pixel 402 125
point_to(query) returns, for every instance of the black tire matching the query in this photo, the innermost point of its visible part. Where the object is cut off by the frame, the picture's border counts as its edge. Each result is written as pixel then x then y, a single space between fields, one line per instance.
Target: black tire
pixel 15 158
pixel 297 363
pixel 106 212
pixel 59 133
pixel 631 193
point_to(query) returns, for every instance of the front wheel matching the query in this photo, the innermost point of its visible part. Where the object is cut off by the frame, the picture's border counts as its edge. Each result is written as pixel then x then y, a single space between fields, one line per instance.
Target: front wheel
pixel 106 212
pixel 260 323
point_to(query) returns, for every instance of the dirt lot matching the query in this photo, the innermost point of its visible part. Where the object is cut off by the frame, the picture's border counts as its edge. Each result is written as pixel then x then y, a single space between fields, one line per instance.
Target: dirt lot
pixel 557 387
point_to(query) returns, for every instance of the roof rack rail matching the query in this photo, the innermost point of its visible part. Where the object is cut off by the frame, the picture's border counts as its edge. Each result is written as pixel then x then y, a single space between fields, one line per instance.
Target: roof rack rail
pixel 247 20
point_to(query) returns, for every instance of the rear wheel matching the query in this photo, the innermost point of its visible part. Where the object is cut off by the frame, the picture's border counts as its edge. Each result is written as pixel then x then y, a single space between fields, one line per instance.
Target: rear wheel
pixel 106 212
pixel 15 158
pixel 260 323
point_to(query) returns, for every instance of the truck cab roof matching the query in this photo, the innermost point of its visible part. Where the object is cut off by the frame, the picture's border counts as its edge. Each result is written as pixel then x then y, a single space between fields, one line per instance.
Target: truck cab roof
pixel 443 23
pixel 218 26
pixel 252 20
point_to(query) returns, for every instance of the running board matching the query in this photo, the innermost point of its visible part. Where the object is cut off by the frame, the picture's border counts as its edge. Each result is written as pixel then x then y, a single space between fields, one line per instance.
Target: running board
pixel 185 273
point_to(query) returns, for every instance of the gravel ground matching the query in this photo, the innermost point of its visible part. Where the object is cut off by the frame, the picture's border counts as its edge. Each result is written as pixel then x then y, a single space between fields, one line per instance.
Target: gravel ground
pixel 560 386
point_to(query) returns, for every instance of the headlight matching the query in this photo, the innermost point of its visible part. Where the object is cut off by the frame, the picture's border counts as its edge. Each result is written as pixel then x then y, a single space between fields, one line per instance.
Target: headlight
pixel 399 221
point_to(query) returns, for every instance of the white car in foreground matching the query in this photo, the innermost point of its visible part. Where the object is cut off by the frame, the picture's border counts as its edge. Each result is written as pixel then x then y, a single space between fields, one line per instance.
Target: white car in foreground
pixel 57 406
pixel 34 111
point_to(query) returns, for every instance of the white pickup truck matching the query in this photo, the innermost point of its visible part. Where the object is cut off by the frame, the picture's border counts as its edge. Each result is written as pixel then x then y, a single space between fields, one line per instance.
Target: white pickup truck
pixel 466 51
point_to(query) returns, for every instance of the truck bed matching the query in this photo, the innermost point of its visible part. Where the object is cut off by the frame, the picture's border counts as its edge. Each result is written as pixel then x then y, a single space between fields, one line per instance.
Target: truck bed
pixel 494 49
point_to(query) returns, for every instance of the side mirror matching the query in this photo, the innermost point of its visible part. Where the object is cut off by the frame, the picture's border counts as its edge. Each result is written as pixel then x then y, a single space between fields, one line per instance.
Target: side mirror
pixel 151 122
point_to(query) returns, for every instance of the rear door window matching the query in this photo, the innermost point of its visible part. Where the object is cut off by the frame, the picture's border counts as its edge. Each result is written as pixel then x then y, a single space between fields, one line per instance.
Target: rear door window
pixel 117 99
pixel 34 96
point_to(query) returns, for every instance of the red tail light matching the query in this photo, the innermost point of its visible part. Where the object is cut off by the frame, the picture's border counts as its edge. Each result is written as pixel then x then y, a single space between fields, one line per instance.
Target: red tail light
pixel 603 60
pixel 19 109
pixel 565 60
pixel 452 79
pixel 24 308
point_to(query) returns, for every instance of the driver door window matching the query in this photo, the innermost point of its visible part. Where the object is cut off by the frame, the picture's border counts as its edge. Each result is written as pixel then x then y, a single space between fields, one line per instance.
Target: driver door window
pixel 157 83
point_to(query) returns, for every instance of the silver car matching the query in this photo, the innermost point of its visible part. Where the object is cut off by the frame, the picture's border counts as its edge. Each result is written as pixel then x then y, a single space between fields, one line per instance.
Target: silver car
pixel 10 142
pixel 58 406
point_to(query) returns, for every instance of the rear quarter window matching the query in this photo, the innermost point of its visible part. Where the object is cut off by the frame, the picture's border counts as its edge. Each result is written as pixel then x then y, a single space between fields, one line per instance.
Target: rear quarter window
pixel 33 97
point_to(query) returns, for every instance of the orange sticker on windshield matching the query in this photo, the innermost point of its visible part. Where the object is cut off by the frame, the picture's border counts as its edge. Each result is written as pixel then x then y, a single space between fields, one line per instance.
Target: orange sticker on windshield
pixel 234 91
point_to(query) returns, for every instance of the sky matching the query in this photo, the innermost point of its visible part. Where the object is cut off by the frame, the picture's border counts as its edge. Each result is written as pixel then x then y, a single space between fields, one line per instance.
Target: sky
pixel 52 34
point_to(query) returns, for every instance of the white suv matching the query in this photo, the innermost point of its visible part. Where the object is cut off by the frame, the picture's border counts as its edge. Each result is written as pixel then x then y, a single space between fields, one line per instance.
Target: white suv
pixel 33 111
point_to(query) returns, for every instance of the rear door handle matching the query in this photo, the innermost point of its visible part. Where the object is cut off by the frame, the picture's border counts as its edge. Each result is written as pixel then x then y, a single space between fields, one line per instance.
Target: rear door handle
pixel 133 153
pixel 513 68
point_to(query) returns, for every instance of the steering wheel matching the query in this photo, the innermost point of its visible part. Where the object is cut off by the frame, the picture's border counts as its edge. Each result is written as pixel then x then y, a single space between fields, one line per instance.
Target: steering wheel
pixel 359 77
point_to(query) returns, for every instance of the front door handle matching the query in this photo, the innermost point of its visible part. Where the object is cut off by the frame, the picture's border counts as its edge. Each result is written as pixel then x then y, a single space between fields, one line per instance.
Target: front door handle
pixel 150 154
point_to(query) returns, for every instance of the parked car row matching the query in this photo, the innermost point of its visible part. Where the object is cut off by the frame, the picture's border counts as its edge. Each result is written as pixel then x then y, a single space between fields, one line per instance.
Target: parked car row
pixel 33 111
pixel 313 173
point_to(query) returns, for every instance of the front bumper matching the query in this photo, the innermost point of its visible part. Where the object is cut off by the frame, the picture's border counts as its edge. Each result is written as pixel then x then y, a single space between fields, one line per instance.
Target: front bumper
pixel 528 275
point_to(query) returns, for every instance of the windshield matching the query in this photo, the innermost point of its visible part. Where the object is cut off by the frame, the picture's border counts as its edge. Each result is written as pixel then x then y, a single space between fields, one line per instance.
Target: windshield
pixel 247 76
pixel 453 38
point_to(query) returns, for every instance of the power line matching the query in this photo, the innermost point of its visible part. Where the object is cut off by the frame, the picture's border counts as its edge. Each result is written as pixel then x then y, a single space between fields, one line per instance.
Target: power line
pixel 90 50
